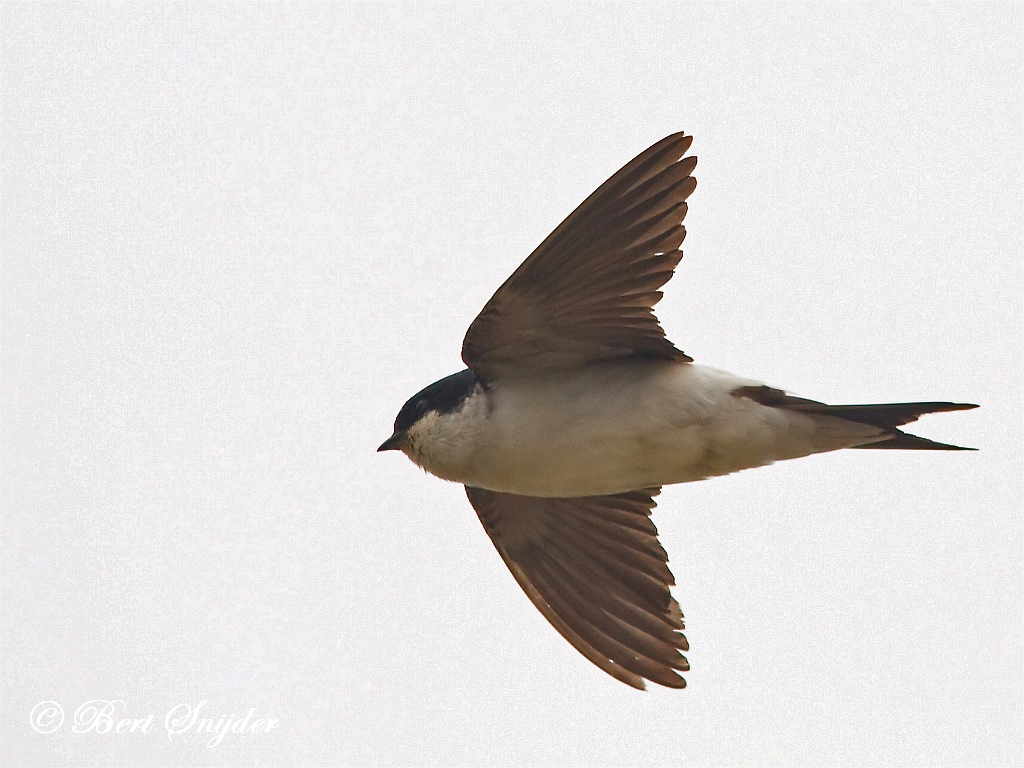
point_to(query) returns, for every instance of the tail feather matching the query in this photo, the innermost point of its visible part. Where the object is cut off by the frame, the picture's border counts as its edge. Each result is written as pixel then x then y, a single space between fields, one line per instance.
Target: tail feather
pixel 887 416
pixel 907 441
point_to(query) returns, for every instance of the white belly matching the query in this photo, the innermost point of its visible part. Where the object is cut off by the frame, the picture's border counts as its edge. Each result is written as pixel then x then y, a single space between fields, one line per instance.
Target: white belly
pixel 614 428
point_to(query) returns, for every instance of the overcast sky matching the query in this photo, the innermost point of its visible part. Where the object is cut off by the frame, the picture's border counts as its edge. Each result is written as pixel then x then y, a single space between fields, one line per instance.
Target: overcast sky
pixel 237 238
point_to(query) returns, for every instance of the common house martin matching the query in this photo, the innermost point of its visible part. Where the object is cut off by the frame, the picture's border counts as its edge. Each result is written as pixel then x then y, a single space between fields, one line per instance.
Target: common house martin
pixel 575 410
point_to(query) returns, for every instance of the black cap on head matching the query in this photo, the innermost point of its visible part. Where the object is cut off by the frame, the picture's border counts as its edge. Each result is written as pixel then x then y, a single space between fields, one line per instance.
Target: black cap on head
pixel 443 396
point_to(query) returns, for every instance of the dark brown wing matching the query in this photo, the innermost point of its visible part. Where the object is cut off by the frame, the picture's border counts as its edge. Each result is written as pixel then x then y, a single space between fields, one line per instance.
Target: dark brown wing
pixel 595 569
pixel 587 293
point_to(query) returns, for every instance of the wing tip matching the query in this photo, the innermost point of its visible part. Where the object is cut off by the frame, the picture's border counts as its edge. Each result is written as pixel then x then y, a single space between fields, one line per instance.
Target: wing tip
pixel 681 137
pixel 674 144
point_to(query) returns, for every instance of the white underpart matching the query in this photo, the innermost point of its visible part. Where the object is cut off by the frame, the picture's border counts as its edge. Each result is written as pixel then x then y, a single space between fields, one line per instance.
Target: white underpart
pixel 614 428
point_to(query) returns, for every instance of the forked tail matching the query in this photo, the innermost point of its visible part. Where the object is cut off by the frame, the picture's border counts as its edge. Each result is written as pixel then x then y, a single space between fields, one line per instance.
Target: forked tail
pixel 887 416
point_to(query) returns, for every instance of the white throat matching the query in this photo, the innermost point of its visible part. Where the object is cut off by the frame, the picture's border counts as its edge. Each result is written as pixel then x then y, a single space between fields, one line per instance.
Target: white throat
pixel 444 443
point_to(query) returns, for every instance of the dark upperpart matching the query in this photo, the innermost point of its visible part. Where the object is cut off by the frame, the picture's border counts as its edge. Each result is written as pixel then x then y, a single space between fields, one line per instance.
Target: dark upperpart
pixel 443 396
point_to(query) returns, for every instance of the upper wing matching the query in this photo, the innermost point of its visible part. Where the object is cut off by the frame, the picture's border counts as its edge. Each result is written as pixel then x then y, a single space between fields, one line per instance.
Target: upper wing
pixel 595 569
pixel 587 292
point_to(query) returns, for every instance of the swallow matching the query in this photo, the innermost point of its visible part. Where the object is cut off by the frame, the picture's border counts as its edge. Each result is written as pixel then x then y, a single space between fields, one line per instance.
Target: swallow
pixel 575 409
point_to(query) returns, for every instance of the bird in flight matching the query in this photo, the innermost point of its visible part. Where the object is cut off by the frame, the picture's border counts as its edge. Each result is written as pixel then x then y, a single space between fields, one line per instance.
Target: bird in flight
pixel 575 410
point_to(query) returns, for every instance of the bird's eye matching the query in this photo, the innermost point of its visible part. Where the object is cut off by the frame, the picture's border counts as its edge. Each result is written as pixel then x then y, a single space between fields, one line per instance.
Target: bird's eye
pixel 421 406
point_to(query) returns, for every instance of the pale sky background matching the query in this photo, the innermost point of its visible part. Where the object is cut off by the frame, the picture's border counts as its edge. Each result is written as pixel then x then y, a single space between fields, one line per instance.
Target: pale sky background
pixel 237 238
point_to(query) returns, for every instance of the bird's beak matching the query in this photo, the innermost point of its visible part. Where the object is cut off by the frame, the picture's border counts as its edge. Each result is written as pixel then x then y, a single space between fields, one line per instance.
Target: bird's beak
pixel 393 443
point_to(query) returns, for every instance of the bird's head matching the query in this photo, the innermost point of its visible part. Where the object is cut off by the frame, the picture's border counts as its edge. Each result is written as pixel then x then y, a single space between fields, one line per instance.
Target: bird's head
pixel 427 407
